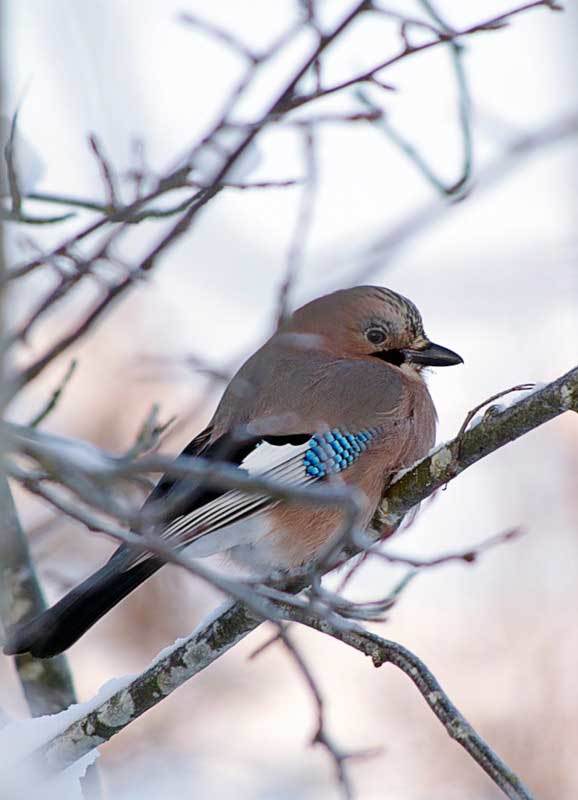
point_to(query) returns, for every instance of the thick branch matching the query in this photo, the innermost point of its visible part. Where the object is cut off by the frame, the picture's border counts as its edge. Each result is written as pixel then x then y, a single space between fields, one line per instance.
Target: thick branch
pixel 199 650
pixel 493 432
pixel 47 684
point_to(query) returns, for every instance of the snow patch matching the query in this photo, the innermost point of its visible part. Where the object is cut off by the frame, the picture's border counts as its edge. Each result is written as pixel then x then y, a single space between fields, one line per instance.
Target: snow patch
pixel 204 623
pixel 19 739
pixel 66 750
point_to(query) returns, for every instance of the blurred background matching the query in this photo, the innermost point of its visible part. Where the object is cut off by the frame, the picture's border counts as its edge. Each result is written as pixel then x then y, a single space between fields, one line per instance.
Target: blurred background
pixel 495 277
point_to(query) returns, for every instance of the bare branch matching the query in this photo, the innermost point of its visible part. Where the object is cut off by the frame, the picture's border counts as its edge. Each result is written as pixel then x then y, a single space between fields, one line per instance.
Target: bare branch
pixel 121 214
pixel 113 293
pixel 199 650
pixel 47 684
pixel 55 396
pixel 493 432
pixel 408 50
pixel 241 143
pixel 108 177
pixel 321 735
pixel 220 35
pixel 468 556
pixel 382 651
pixel 10 155
pixel 384 247
pixel 302 226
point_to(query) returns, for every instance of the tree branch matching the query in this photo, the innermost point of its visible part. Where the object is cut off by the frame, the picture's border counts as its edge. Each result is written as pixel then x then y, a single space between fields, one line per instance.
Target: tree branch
pixel 384 247
pixel 383 651
pixel 494 431
pixel 495 23
pixel 218 635
pixel 47 684
pixel 170 671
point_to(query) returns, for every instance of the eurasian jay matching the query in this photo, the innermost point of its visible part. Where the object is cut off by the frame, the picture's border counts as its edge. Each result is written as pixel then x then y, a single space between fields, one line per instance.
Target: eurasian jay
pixel 338 390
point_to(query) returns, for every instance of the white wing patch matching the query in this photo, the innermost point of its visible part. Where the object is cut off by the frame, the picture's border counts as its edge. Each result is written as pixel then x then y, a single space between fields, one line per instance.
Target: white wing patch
pixel 216 526
pixel 235 518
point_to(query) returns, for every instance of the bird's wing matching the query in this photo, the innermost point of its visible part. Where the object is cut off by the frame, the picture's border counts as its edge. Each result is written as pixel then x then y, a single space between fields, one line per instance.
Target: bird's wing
pixel 292 460
pixel 282 462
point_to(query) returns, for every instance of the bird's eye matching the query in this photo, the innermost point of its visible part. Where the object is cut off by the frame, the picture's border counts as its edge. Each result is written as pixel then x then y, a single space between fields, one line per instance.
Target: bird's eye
pixel 375 336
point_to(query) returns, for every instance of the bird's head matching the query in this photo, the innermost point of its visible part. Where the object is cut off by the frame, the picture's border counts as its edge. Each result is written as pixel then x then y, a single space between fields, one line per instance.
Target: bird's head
pixel 374 322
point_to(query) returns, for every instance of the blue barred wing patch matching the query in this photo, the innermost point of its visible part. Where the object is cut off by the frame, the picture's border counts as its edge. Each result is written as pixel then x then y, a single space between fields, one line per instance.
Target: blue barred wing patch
pixel 332 452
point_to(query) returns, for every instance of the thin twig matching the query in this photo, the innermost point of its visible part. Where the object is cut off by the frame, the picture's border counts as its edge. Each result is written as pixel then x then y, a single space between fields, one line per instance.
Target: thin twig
pixel 408 50
pixel 522 387
pixel 313 22
pixel 106 170
pixel 219 34
pixel 149 435
pixel 55 396
pixel 29 219
pixel 10 156
pixel 303 224
pixel 383 651
pixel 321 736
pixel 457 187
pixel 384 247
pixel 468 556
pixel 112 294
pixel 464 102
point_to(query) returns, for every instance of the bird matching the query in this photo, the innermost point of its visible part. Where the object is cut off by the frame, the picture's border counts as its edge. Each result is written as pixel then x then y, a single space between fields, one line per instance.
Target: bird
pixel 337 393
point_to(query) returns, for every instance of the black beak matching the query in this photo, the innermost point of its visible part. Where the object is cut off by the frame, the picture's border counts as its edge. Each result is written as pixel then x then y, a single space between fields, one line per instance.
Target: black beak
pixel 434 355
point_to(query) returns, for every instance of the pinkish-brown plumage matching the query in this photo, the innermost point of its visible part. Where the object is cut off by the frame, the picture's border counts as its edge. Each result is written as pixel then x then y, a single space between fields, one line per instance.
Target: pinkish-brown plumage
pixel 350 361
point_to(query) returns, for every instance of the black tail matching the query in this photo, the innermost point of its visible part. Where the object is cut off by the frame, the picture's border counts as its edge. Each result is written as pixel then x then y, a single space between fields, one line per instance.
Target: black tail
pixel 58 627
